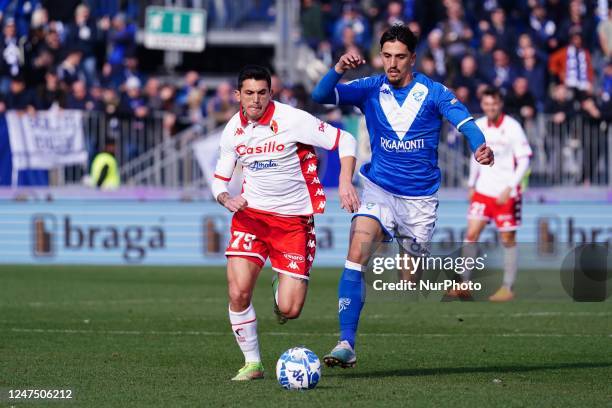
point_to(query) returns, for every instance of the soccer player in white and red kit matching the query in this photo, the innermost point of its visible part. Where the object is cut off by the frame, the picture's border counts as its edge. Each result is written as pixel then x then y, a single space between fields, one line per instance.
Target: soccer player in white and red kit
pixel 495 191
pixel 274 213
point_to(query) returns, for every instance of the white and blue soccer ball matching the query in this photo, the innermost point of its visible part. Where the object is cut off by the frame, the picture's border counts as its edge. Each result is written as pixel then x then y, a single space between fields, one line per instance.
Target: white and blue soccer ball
pixel 298 369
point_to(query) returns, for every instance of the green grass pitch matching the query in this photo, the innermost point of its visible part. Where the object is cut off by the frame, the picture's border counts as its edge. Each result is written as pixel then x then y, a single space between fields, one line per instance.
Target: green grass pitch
pixel 144 336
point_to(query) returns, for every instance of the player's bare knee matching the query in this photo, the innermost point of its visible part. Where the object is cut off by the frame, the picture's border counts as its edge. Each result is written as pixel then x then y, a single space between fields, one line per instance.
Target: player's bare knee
pixel 239 300
pixel 293 312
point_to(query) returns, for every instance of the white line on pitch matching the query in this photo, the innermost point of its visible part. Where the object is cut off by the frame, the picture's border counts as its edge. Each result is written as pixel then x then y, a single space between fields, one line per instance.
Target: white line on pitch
pixel 124 301
pixel 223 333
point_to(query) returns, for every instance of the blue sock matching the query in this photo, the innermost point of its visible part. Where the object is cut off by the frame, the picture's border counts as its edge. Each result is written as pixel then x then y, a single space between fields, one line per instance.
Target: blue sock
pixel 351 297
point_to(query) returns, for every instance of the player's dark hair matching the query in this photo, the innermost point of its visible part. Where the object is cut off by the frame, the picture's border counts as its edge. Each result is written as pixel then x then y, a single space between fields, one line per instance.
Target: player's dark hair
pixel 492 91
pixel 401 33
pixel 256 72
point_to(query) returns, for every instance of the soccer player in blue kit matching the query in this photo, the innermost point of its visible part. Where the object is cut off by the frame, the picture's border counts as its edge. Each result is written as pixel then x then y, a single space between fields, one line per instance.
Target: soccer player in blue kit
pixel 403 111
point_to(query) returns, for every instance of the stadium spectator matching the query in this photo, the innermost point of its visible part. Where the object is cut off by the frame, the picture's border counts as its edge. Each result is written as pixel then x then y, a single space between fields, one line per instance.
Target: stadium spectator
pixel 560 106
pixel 503 32
pixel 484 56
pixel 427 66
pixel 51 93
pixel 190 83
pixel 468 77
pixel 70 69
pixel 83 33
pixel 351 17
pixel 311 21
pixel 503 73
pixel 19 97
pixel 519 101
pixel 11 62
pixel 571 65
pixel 535 72
pixel 604 31
pixel 122 39
pixel 222 106
pixel 577 20
pixel 543 28
pixel 80 98
pixel 456 32
pixel 151 94
pixel 435 50
pixel 132 102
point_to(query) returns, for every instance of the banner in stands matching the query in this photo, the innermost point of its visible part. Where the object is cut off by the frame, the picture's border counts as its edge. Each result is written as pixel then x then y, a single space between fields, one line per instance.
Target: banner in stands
pixel 196 233
pixel 46 139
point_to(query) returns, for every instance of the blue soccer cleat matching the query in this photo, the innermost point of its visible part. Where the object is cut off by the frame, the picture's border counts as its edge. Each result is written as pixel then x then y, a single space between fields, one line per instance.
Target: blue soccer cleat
pixel 342 355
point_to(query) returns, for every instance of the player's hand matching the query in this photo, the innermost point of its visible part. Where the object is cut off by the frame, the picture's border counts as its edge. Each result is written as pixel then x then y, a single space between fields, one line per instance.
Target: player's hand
pixel 349 200
pixel 504 196
pixel 484 155
pixel 348 61
pixel 471 193
pixel 233 204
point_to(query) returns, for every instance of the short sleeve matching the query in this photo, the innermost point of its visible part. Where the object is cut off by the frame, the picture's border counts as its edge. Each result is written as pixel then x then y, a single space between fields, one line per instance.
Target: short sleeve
pixel 449 106
pixel 315 132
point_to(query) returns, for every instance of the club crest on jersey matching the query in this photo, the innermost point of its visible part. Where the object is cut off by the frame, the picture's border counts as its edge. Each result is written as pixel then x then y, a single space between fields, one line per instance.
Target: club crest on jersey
pixel 274 126
pixel 418 96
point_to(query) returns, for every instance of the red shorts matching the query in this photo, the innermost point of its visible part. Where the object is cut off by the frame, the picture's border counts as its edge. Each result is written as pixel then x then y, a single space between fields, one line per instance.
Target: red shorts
pixel 290 242
pixel 507 217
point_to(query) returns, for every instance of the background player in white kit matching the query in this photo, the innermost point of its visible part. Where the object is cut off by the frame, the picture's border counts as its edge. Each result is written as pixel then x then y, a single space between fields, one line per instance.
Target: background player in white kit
pixel 273 214
pixel 495 191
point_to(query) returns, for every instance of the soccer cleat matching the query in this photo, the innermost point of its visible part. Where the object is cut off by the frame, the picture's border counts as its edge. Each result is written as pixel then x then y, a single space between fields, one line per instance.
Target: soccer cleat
pixel 503 294
pixel 342 355
pixel 461 294
pixel 250 371
pixel 279 316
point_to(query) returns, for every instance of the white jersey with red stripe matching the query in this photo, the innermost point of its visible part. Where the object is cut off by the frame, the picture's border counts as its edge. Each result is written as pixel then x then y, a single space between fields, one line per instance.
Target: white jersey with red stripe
pixel 278 159
pixel 508 141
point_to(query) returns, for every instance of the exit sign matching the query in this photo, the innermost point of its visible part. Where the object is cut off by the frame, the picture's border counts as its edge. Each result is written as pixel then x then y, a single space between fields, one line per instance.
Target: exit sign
pixel 178 29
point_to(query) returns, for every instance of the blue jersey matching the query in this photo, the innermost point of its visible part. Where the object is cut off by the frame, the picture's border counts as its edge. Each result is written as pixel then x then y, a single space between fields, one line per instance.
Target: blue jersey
pixel 404 126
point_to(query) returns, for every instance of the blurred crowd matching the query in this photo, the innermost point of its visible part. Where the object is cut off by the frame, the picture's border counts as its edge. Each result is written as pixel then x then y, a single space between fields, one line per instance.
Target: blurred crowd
pixel 547 56
pixel 74 55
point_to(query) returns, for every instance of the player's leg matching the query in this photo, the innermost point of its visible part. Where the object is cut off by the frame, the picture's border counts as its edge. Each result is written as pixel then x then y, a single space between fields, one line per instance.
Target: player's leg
pixel 505 293
pixel 292 243
pixel 366 234
pixel 242 275
pixel 291 295
pixel 470 250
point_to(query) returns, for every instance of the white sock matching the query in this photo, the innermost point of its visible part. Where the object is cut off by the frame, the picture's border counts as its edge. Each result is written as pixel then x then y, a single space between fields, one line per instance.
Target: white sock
pixel 244 327
pixel 469 250
pixel 510 266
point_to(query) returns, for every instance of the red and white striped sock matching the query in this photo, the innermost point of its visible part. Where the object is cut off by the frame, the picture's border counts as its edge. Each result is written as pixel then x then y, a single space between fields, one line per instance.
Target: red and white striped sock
pixel 244 326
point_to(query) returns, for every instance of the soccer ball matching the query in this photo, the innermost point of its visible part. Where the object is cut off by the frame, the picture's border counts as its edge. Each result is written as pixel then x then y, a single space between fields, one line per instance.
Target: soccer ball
pixel 298 369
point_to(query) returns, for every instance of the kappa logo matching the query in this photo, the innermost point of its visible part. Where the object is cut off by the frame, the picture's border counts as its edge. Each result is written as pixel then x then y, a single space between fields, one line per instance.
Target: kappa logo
pixel 369 206
pixel 311 168
pixel 315 180
pixel 293 265
pixel 321 205
pixel 385 91
pixel 343 304
pixel 239 132
pixel 319 192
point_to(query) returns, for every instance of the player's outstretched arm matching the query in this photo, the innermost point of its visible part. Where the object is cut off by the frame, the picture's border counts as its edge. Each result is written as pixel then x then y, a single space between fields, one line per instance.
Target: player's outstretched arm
pixel 349 199
pixel 325 91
